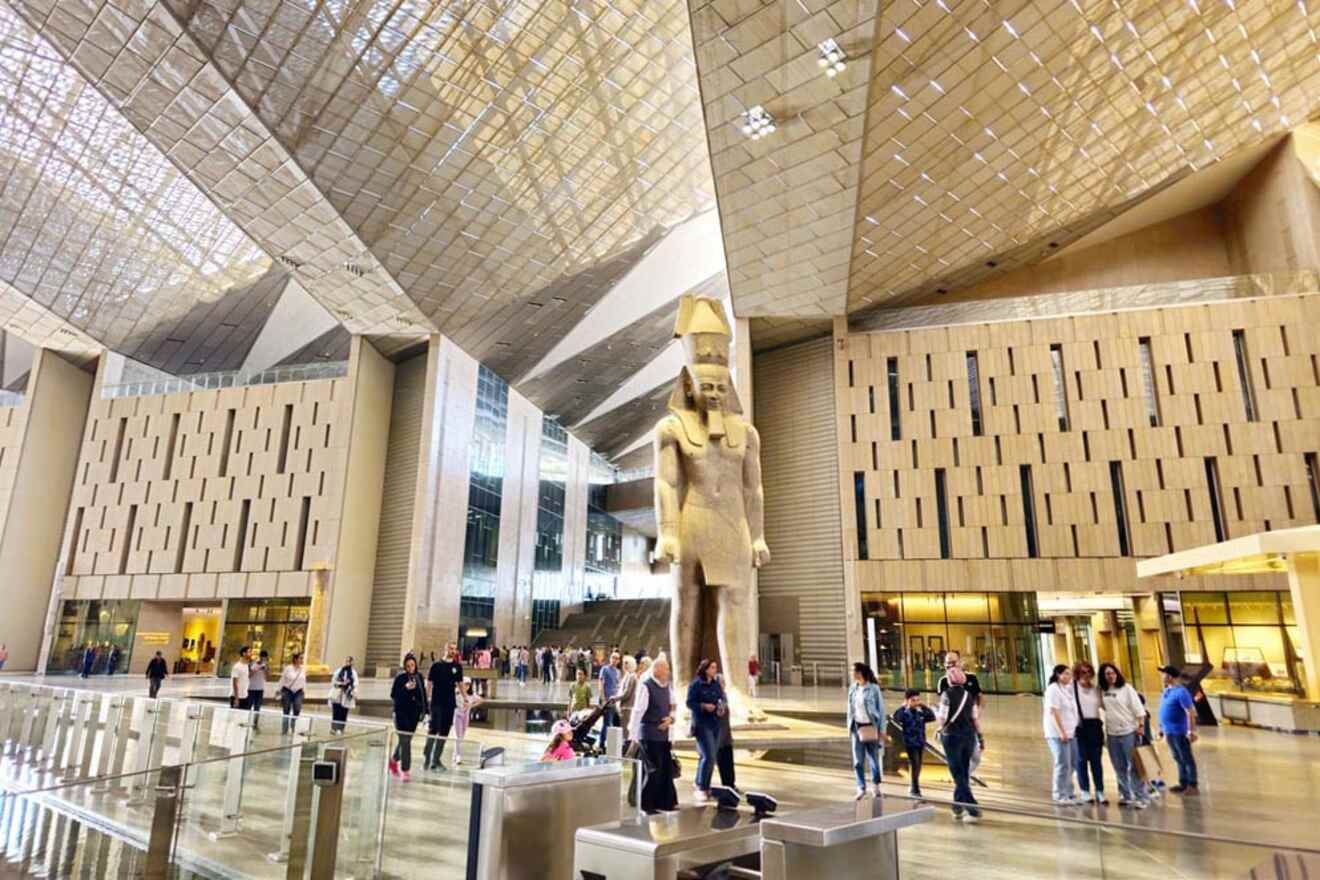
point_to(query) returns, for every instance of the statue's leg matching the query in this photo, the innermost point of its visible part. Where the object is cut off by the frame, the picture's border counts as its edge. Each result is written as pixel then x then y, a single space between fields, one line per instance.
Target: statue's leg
pixel 684 623
pixel 737 643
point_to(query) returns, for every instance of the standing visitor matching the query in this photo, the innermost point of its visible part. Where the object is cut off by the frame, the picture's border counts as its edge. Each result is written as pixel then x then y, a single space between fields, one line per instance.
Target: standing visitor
pixel 724 755
pixel 547 664
pixel 610 675
pixel 239 677
pixel 113 666
pixel 579 694
pixel 258 671
pixel 524 658
pixel 706 702
pixel 652 722
pixel 88 660
pixel 293 687
pixel 343 695
pixel 753 675
pixel 866 726
pixel 1060 723
pixel 498 656
pixel 155 674
pixel 463 704
pixel 408 697
pixel 1124 714
pixel 627 692
pixel 4 655
pixel 959 716
pixel 912 718
pixel 444 677
pixel 1090 733
pixel 1178 723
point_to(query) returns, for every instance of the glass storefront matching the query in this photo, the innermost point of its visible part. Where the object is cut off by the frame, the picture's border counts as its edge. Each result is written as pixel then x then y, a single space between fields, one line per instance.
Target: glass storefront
pixel 106 624
pixel 996 632
pixel 1249 638
pixel 275 625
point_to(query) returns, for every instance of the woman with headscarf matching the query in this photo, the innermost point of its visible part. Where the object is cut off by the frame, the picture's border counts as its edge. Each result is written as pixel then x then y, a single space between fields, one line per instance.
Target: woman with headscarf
pixel 343 695
pixel 408 695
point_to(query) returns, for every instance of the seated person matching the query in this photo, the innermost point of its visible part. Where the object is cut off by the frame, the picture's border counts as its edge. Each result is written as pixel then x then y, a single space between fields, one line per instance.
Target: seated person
pixel 561 745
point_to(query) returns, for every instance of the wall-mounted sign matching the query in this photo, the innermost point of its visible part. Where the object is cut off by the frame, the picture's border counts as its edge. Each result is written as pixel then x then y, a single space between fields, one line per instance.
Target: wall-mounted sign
pixel 155 638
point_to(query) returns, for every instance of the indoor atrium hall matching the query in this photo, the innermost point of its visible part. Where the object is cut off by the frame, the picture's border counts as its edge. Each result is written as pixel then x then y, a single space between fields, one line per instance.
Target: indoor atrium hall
pixel 659 439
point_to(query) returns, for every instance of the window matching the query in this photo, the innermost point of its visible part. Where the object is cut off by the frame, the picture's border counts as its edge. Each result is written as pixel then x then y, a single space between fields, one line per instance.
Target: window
pixel 895 423
pixel 942 511
pixel 974 392
pixel 1029 510
pixel 486 485
pixel 1216 499
pixel 548 562
pixel 859 505
pixel 1148 382
pixel 1120 507
pixel 1244 374
pixel 1313 481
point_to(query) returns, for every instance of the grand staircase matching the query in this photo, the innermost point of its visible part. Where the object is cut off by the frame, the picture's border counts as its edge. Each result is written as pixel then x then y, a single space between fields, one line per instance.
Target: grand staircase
pixel 633 624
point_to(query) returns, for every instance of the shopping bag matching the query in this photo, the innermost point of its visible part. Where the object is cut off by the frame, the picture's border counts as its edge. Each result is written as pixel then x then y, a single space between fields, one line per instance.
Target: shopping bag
pixel 1148 763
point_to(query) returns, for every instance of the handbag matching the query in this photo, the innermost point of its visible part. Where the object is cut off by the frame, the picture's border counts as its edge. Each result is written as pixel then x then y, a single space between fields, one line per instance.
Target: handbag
pixel 867 733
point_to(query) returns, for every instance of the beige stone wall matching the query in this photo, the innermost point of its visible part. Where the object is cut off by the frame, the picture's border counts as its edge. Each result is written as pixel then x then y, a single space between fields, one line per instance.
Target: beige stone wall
pixel 163 483
pixel 1260 463
pixel 1273 216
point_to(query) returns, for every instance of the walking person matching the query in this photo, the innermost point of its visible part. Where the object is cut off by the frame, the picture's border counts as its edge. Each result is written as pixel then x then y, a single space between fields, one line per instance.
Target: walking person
pixel 866 725
pixel 959 716
pixel 113 666
pixel 706 702
pixel 753 675
pixel 650 727
pixel 88 660
pixel 293 688
pixel 912 718
pixel 1124 716
pixel 627 693
pixel 547 664
pixel 4 656
pixel 463 705
pixel 239 676
pixel 1090 733
pixel 408 698
pixel 343 695
pixel 257 673
pixel 1060 724
pixel 444 677
pixel 610 676
pixel 155 674
pixel 1178 725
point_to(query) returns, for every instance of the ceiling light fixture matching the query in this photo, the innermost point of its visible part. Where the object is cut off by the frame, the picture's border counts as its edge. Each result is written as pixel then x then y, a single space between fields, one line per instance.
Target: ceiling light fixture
pixel 758 123
pixel 832 58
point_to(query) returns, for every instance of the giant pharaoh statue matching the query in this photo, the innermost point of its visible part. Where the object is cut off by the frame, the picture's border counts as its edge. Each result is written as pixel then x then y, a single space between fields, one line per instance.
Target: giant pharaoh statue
pixel 708 505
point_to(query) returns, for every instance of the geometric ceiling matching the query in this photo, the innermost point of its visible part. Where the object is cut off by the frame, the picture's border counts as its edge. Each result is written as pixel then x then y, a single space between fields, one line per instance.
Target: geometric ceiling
pixel 963 137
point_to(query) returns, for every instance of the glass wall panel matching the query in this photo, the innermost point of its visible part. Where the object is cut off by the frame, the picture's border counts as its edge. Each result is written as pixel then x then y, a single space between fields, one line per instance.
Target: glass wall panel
pixel 1246 639
pixel 1254 608
pixel 970 607
pixel 275 625
pixel 104 624
pixel 548 581
pixel 604 535
pixel 881 614
pixel 485 487
pixel 1204 608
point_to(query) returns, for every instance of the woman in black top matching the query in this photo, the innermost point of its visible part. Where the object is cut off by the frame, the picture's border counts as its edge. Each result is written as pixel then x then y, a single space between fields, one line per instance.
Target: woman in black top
pixel 409 697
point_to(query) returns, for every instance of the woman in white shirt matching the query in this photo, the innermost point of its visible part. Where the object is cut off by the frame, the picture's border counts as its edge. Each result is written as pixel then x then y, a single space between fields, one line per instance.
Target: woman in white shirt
pixel 1124 717
pixel 293 684
pixel 1060 723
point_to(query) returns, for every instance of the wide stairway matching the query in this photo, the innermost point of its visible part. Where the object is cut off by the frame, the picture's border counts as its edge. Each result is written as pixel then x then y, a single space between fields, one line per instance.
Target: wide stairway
pixel 633 624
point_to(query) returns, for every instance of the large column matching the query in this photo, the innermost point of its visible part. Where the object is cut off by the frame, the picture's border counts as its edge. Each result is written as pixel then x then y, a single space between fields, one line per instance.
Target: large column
pixel 435 580
pixel 41 442
pixel 517 554
pixel 347 599
pixel 1304 585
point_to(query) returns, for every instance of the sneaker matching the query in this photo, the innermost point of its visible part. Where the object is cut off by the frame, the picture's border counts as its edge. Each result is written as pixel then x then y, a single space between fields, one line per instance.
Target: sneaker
pixel 458 759
pixel 700 796
pixel 1178 789
pixel 405 776
pixel 1069 801
pixel 861 793
pixel 1124 802
pixel 1140 805
pixel 1101 799
pixel 970 819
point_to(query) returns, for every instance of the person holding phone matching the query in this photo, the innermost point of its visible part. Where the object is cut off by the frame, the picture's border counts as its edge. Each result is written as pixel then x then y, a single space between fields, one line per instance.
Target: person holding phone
pixel 408 696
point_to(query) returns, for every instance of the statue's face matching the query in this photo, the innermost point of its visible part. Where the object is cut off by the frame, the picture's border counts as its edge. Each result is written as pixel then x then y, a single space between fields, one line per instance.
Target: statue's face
pixel 711 389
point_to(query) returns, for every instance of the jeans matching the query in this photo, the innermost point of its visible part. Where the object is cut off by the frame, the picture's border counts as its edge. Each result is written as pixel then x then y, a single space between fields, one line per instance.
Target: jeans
pixel 708 747
pixel 291 702
pixel 1130 787
pixel 153 686
pixel 1181 747
pixel 254 701
pixel 915 756
pixel 958 749
pixel 862 751
pixel 608 718
pixel 1065 759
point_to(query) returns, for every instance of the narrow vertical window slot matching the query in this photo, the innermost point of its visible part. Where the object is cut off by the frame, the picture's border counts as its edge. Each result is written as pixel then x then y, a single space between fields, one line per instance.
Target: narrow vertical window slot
pixel 184 531
pixel 1313 482
pixel 304 515
pixel 859 510
pixel 1060 386
pixel 942 512
pixel 286 431
pixel 1216 498
pixel 1244 374
pixel 225 440
pixel 128 539
pixel 118 450
pixel 74 538
pixel 1120 508
pixel 1148 387
pixel 974 391
pixel 870 398
pixel 895 416
pixel 240 538
pixel 1029 509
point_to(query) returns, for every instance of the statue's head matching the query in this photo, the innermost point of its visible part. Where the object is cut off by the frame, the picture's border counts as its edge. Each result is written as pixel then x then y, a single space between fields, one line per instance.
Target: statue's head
pixel 711 384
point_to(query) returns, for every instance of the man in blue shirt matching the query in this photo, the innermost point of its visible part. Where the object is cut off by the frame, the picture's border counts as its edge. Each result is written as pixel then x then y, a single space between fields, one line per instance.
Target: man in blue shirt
pixel 609 688
pixel 1178 721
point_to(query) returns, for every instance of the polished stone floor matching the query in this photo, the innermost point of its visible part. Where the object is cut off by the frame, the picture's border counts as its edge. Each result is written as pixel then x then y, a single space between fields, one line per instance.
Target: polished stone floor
pixel 1257 793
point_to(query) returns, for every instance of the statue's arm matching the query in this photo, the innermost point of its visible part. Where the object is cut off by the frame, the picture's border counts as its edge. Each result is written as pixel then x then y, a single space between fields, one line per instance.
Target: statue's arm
pixel 667 482
pixel 754 498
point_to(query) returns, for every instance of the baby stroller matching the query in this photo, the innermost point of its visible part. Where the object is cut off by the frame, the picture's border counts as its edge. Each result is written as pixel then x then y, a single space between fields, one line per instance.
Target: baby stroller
pixel 582 722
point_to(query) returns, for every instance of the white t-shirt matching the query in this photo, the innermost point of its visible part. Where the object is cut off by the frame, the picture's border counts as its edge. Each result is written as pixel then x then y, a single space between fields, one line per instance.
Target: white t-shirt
pixel 240 675
pixel 1061 699
pixel 860 715
pixel 1090 699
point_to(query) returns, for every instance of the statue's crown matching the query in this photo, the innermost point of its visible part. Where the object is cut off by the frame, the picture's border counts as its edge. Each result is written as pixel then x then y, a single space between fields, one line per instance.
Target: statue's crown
pixel 704 330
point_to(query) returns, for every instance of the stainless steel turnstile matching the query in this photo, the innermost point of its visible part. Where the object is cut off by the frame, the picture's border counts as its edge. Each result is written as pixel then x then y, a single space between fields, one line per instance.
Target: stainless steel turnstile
pixel 659 847
pixel 839 841
pixel 524 816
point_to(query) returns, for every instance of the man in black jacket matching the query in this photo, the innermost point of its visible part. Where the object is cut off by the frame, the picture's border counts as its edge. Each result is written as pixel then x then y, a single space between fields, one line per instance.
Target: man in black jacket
pixel 155 674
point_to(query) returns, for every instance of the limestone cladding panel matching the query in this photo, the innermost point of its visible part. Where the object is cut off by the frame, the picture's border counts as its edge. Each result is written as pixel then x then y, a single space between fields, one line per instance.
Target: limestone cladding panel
pixel 228 482
pixel 575 520
pixel 516 559
pixel 13 420
pixel 1202 414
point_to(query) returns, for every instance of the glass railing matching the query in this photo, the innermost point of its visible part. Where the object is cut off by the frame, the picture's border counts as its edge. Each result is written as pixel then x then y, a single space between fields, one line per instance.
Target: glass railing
pixel 227 379
pixel 11 398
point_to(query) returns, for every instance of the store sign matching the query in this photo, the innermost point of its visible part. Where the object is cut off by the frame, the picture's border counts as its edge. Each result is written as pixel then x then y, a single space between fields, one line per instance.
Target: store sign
pixel 155 638
pixel 1045 627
